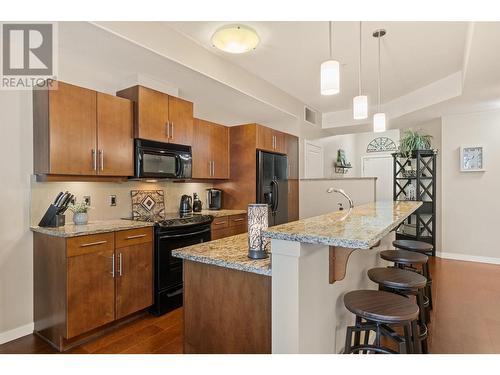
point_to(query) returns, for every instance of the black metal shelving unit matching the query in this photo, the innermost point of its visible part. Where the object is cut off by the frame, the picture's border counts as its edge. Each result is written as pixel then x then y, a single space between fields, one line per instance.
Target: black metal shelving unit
pixel 418 173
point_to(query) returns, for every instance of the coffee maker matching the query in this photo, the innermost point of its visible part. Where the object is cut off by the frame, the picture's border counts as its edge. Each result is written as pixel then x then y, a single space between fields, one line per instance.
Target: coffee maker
pixel 214 199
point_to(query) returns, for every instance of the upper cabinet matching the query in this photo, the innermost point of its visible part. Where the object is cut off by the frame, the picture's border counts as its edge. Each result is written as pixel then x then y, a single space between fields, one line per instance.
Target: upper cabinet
pixel 159 116
pixel 79 132
pixel 210 150
pixel 292 151
pixel 270 140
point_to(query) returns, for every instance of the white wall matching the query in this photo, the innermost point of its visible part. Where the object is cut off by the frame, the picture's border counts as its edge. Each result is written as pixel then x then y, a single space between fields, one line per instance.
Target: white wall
pixel 471 200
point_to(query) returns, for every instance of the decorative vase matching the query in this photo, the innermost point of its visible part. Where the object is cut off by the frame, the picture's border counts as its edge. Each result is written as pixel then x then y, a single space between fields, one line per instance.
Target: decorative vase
pixel 80 218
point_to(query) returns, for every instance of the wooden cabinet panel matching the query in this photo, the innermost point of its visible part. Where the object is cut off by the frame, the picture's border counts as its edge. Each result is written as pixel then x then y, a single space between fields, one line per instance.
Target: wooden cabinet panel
pixel 265 140
pixel 237 220
pixel 279 142
pixel 91 243
pixel 115 138
pixel 292 152
pixel 72 130
pixel 152 115
pixel 293 200
pixel 90 292
pixel 134 278
pixel 201 149
pixel 129 237
pixel 220 222
pixel 181 119
pixel 219 150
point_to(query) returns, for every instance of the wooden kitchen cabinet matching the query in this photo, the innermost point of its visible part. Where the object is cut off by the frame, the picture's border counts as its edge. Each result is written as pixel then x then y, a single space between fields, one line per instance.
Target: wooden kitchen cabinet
pixel 227 226
pixel 115 136
pixel 85 283
pixel 292 151
pixel 160 117
pixel 210 150
pixel 80 132
pixel 270 140
pixel 134 272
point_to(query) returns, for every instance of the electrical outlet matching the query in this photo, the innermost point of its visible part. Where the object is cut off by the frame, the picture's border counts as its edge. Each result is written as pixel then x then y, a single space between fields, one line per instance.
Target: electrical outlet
pixel 86 199
pixel 112 200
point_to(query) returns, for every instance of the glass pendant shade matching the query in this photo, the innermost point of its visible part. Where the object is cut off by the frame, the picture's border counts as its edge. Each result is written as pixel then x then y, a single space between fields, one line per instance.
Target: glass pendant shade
pixel 360 107
pixel 379 122
pixel 330 77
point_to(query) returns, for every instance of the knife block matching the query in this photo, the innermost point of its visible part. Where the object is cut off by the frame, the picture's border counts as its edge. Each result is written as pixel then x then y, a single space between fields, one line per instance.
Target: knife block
pixel 52 218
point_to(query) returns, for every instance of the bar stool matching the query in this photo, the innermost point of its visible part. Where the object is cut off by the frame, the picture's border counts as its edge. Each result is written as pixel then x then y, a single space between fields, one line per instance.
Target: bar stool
pixel 405 283
pixel 423 248
pixel 381 311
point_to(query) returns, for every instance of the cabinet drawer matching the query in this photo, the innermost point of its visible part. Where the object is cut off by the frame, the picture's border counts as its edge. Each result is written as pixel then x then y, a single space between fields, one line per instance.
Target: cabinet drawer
pixel 92 243
pixel 130 237
pixel 238 220
pixel 221 233
pixel 220 222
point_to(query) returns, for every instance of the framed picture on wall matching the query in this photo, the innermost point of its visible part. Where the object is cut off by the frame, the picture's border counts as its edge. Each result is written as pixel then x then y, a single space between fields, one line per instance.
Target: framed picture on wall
pixel 472 159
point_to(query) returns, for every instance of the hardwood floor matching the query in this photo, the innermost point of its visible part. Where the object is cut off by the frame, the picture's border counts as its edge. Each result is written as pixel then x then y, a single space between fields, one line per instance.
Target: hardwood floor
pixel 147 335
pixel 465 319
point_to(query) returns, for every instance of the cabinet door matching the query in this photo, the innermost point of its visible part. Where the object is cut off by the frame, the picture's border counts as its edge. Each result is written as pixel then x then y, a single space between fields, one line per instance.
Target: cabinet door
pixel 181 120
pixel 91 291
pixel 265 138
pixel 152 115
pixel 72 124
pixel 292 151
pixel 219 149
pixel 201 149
pixel 293 200
pixel 279 142
pixel 134 278
pixel 115 140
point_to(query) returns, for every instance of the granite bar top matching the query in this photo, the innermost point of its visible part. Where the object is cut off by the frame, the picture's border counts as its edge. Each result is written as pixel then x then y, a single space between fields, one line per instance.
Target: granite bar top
pixel 361 228
pixel 337 178
pixel 221 213
pixel 229 252
pixel 93 227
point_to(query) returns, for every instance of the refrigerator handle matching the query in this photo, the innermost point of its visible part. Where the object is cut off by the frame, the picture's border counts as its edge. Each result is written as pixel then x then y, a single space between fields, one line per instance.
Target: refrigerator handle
pixel 277 202
pixel 273 195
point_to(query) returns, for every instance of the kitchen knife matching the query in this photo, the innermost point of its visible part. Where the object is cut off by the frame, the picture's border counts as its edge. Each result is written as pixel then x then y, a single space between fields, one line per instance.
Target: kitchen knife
pixel 66 203
pixel 59 201
pixel 57 198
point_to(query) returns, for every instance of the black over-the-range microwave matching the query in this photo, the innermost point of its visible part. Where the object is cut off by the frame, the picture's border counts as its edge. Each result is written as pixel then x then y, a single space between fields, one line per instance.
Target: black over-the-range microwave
pixel 159 160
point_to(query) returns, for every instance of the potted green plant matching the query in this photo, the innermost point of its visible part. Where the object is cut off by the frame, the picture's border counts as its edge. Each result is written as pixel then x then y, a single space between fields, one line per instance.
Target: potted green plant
pixel 413 141
pixel 80 213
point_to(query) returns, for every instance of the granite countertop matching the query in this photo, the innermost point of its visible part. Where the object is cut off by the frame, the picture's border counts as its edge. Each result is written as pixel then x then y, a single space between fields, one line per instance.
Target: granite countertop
pixel 229 252
pixel 221 213
pixel 93 227
pixel 362 228
pixel 337 178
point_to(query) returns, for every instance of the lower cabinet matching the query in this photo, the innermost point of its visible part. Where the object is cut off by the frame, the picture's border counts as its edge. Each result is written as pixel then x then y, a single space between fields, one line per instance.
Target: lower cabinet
pixel 227 226
pixel 87 282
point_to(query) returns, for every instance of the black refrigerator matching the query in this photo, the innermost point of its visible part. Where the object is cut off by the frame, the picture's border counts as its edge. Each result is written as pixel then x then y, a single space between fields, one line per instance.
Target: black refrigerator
pixel 272 185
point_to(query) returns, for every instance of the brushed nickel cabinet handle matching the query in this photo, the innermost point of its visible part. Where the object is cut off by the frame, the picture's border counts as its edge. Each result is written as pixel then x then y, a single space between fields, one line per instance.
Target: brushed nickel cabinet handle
pixel 94 160
pixel 113 266
pixel 136 236
pixel 219 222
pixel 172 124
pixel 101 154
pixel 240 219
pixel 93 243
pixel 167 130
pixel 120 264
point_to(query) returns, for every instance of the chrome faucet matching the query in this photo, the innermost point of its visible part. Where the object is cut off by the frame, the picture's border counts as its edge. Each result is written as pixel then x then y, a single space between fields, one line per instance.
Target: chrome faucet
pixel 342 192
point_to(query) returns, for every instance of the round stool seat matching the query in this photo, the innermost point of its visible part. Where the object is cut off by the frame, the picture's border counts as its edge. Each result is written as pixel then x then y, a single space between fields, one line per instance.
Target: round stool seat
pixel 418 246
pixel 381 306
pixel 404 257
pixel 397 278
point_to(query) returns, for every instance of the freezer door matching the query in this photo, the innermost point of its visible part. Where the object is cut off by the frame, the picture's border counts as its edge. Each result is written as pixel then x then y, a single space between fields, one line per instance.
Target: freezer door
pixel 265 181
pixel 281 181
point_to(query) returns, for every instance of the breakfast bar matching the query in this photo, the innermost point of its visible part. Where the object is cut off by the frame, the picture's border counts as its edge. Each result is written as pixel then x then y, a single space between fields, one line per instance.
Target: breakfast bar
pixel 291 303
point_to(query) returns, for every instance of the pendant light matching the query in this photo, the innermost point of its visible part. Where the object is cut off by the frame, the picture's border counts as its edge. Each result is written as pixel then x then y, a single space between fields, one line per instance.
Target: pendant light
pixel 360 102
pixel 330 71
pixel 379 120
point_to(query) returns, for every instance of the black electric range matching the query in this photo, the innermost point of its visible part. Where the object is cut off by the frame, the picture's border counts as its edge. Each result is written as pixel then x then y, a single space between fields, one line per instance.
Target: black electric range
pixel 171 232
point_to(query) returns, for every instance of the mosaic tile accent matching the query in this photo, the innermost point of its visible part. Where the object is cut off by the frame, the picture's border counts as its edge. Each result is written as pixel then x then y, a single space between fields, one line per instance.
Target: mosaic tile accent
pixel 146 203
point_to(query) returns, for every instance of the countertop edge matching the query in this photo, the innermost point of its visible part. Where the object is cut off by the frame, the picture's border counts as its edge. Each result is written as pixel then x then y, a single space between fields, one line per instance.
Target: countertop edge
pixel 51 231
pixel 221 263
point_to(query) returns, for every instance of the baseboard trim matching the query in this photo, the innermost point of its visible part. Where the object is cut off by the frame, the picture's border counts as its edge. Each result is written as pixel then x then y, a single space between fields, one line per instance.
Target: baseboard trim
pixel 468 258
pixel 16 333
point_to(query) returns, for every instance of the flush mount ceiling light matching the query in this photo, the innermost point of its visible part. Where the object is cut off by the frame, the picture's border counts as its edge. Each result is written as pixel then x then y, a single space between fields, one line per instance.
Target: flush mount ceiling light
pixel 235 39
pixel 379 120
pixel 330 70
pixel 360 102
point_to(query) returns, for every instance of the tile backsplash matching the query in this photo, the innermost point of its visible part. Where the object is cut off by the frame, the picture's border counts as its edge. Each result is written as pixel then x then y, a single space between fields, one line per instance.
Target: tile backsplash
pixel 44 193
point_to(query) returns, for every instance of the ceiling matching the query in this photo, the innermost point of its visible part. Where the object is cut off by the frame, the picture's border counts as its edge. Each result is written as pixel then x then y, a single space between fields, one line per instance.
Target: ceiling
pixel 413 55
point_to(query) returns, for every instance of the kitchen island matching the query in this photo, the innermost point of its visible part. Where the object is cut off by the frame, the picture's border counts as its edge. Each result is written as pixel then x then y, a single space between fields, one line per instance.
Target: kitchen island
pixel 293 302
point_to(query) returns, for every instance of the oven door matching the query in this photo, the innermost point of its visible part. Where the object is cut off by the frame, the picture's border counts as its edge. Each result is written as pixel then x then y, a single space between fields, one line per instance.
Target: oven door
pixel 168 268
pixel 157 163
